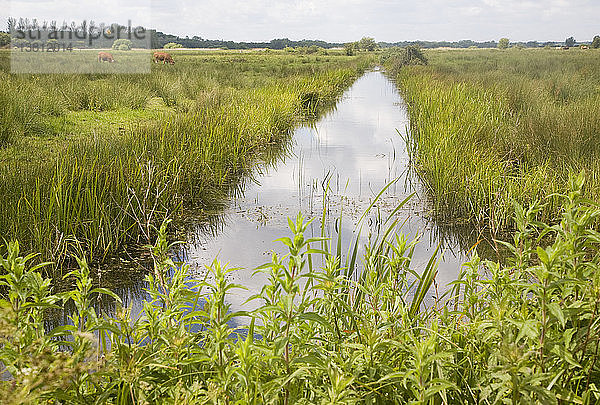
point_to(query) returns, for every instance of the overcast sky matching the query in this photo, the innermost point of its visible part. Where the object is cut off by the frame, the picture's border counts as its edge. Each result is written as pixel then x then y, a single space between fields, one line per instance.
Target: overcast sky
pixel 334 20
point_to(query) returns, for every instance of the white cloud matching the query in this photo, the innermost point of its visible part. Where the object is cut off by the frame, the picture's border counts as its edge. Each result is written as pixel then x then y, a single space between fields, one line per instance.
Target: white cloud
pixel 338 20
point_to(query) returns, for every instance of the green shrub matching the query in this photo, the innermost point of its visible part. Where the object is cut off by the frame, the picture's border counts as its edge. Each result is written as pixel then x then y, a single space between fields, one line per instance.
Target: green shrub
pixel 4 39
pixel 396 58
pixel 122 44
pixel 172 45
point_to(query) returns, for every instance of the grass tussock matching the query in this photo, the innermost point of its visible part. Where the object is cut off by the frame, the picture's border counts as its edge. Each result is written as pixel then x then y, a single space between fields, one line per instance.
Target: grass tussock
pixel 525 332
pixel 94 163
pixel 489 127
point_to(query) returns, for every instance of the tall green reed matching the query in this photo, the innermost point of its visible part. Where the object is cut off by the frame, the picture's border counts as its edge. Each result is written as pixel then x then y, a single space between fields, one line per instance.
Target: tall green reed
pixel 107 191
pixel 490 127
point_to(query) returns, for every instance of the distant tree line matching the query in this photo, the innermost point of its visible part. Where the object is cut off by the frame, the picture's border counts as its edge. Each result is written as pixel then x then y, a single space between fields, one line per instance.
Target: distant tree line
pixel 85 35
pixel 467 43
pixel 160 39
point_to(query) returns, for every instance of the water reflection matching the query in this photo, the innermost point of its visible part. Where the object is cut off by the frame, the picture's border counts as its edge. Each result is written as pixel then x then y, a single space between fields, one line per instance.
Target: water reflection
pixel 340 162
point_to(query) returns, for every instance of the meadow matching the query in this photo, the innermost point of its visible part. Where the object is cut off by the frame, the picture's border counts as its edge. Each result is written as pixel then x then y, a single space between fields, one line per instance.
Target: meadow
pixel 93 163
pixel 491 127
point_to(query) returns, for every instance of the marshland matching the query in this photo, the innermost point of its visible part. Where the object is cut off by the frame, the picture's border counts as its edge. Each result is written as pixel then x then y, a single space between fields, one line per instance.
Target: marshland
pixel 397 226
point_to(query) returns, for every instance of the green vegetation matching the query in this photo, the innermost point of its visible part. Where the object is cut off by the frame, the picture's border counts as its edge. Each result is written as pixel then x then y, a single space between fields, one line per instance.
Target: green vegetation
pixel 122 45
pixel 526 332
pixel 349 48
pixel 490 127
pixel 172 45
pixel 94 163
pixel 396 58
pixel 503 43
pixel 365 44
pixel 4 39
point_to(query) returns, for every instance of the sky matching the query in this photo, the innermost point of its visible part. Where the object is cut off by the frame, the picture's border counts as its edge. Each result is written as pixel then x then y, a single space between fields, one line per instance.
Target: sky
pixel 333 20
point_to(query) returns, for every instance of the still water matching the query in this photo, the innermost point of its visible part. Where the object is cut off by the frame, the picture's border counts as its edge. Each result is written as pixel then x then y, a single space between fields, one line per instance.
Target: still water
pixel 341 162
pixel 347 157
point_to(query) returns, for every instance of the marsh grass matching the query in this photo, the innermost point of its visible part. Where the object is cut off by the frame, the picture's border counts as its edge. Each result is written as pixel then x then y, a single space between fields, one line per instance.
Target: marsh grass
pixel 492 126
pixel 93 163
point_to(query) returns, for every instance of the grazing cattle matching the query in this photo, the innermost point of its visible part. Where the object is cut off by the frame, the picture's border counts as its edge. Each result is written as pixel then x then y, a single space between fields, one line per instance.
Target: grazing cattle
pixel 164 57
pixel 565 48
pixel 105 57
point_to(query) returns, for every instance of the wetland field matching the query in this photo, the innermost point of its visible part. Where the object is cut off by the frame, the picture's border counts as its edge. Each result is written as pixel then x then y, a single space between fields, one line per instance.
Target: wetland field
pixel 397 226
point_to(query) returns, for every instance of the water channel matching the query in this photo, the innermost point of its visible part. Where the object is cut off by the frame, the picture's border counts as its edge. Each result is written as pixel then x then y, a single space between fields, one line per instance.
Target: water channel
pixel 353 152
pixel 342 161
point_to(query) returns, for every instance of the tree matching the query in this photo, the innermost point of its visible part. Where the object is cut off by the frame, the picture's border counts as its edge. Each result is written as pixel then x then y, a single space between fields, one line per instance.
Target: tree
pixel 503 43
pixel 367 44
pixel 570 42
pixel 596 42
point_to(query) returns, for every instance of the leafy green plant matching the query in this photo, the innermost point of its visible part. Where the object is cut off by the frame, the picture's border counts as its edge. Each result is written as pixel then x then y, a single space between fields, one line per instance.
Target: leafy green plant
pixel 524 331
pixel 122 44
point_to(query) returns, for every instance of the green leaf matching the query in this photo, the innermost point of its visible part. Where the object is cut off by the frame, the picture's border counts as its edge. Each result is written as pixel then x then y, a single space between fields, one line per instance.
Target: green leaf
pixel 286 241
pixel 63 330
pixel 313 316
pixel 542 255
pixel 529 328
pixel 106 291
pixel 555 310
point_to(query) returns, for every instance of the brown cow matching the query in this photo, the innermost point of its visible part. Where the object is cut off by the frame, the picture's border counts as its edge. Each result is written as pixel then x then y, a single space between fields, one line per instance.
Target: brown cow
pixel 164 57
pixel 105 57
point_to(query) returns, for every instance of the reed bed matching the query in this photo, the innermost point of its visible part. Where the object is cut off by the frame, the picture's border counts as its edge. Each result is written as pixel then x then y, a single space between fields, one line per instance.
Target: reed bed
pixel 94 163
pixel 491 127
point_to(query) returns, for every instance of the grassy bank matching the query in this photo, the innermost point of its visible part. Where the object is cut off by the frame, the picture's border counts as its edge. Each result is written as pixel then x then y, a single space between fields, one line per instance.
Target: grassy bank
pixel 527 333
pixel 93 163
pixel 494 126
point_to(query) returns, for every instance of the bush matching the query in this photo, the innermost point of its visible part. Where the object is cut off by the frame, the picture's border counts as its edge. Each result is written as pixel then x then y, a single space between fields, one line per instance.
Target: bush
pixel 4 39
pixel 395 58
pixel 122 45
pixel 312 49
pixel 503 43
pixel 349 48
pixel 172 45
